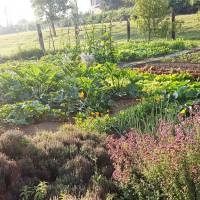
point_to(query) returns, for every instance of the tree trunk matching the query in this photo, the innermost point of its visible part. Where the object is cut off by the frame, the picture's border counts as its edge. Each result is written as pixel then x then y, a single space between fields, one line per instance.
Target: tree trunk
pixel 173 24
pixel 128 30
pixel 53 28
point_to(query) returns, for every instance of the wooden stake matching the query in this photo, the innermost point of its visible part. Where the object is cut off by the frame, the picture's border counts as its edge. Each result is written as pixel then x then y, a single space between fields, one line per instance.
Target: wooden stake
pixel 128 30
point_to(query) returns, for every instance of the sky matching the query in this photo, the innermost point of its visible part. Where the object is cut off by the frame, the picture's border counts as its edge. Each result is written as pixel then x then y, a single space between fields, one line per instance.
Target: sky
pixel 15 10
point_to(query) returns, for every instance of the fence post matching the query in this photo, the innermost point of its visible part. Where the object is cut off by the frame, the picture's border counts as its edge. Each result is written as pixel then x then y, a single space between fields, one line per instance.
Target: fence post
pixel 40 37
pixel 128 29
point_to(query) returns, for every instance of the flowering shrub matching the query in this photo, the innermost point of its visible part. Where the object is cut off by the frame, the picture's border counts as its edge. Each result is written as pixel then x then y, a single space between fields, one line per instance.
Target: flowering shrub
pixel 163 167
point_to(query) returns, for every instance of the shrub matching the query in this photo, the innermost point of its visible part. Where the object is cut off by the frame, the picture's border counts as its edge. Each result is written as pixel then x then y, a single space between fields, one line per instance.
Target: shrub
pixel 23 113
pixel 14 144
pixel 8 173
pixel 165 166
pixel 67 159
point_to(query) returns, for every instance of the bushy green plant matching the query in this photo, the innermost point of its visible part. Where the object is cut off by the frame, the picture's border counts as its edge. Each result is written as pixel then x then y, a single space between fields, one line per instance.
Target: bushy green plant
pixel 23 113
pixel 150 14
pixel 27 81
pixel 101 46
pixel 66 89
pixel 38 192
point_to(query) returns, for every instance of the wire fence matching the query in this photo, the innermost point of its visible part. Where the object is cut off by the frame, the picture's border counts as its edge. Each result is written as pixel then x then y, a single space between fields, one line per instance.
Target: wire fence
pixel 13 43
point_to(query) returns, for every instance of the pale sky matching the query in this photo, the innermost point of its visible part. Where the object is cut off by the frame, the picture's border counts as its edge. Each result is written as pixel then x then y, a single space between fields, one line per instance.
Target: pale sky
pixel 16 10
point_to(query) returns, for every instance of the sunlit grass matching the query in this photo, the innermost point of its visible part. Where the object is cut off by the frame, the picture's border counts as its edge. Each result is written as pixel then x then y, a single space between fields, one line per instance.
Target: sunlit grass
pixel 14 43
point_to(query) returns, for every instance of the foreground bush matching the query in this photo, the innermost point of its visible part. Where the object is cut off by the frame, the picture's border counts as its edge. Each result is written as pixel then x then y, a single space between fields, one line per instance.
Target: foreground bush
pixel 163 167
pixel 68 160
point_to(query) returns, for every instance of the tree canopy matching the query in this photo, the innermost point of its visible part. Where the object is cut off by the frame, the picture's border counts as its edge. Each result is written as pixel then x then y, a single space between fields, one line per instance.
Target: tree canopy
pixel 115 4
pixel 50 10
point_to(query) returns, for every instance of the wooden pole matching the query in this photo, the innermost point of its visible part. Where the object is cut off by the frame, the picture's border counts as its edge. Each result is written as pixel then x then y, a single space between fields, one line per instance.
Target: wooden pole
pixel 173 24
pixel 128 30
pixel 40 37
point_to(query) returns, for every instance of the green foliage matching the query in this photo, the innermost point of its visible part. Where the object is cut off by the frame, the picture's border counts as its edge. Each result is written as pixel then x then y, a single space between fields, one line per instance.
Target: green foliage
pixel 101 46
pixel 187 58
pixel 140 50
pixel 48 90
pixel 51 9
pixel 104 17
pixel 144 117
pixel 27 81
pixel 24 113
pixel 164 95
pixel 150 13
pixel 174 87
pixel 38 192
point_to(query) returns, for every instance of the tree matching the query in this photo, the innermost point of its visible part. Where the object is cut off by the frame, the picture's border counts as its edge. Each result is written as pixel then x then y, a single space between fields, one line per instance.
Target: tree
pixel 150 13
pixel 50 10
pixel 115 4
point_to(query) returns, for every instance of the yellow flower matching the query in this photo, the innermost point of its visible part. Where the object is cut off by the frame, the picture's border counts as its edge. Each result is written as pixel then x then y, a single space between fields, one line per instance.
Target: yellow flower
pixel 82 95
pixel 97 114
pixel 92 113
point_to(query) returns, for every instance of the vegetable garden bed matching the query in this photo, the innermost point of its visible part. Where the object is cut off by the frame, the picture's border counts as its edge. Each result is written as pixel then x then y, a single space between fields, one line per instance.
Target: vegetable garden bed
pixel 169 68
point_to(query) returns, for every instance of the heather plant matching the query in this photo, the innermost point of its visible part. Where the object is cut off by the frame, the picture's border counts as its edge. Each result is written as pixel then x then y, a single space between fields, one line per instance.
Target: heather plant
pixel 161 167
pixel 68 160
pixel 8 173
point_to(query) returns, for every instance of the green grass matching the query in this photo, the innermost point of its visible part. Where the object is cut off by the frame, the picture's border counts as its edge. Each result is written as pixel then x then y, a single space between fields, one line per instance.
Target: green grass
pixel 191 27
pixel 14 43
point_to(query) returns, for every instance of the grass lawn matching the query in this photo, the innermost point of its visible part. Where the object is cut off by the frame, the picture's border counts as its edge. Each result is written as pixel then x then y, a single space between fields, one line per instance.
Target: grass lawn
pixel 13 43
